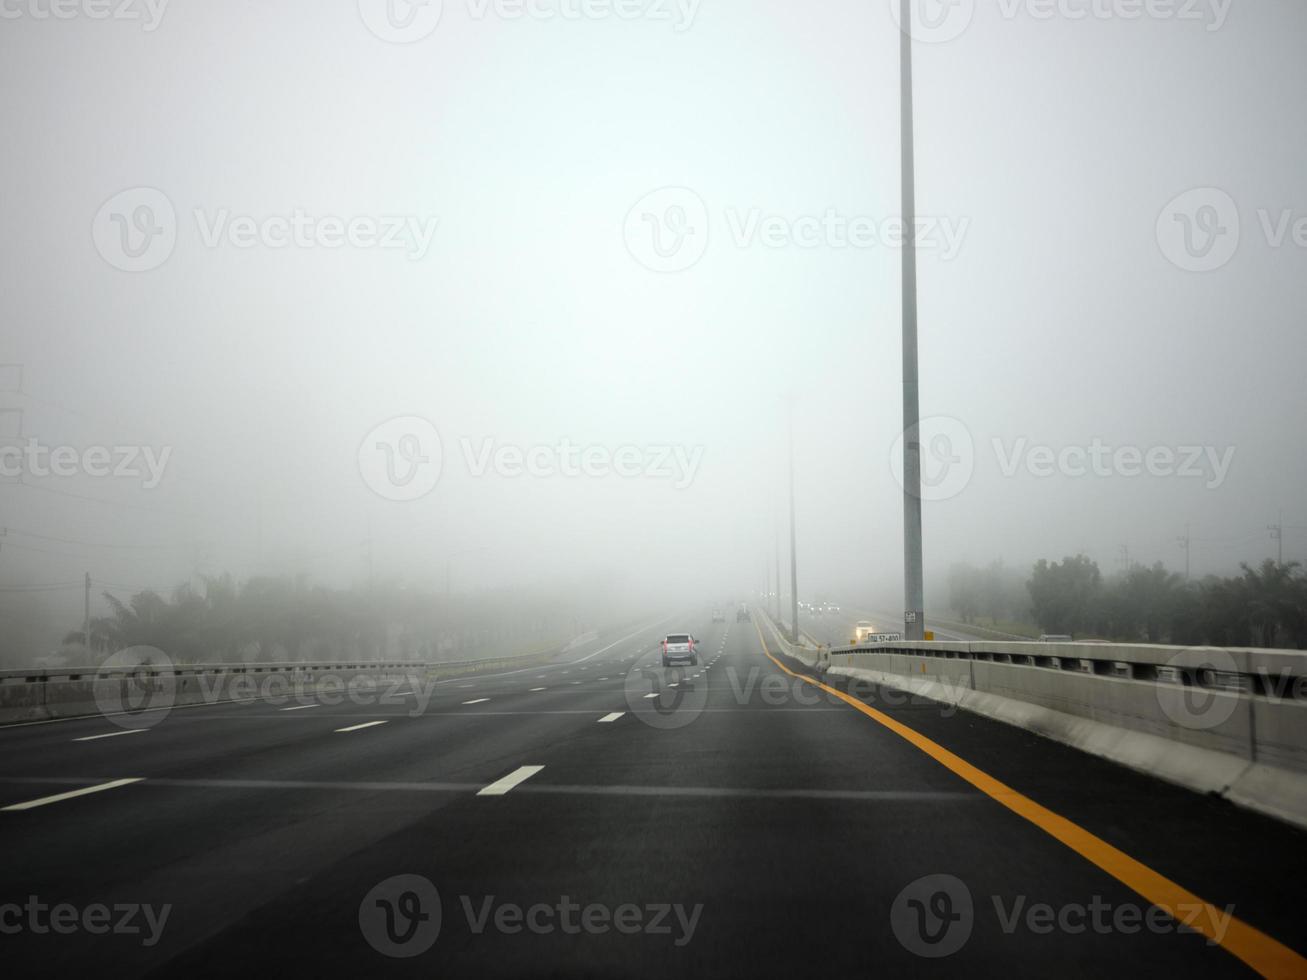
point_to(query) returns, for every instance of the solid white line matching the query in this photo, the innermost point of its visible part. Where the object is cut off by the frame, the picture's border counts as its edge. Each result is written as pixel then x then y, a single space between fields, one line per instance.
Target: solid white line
pixel 611 717
pixel 44 800
pixel 301 707
pixel 501 786
pixel 355 728
pixel 129 731
pixel 477 701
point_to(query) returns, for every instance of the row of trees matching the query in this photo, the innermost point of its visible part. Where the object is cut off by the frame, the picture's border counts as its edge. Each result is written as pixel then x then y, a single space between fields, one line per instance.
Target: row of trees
pixel 1264 606
pixel 284 619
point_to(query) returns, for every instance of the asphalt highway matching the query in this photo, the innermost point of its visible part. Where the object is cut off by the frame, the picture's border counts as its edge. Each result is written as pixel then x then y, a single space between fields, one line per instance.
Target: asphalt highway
pixel 603 816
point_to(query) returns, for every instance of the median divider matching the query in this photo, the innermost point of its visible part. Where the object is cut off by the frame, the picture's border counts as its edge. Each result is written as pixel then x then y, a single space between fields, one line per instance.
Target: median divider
pixel 808 651
pixel 1227 721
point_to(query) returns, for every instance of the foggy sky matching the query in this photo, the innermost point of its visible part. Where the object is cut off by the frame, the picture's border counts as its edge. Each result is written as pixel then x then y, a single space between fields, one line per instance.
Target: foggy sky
pixel 1056 144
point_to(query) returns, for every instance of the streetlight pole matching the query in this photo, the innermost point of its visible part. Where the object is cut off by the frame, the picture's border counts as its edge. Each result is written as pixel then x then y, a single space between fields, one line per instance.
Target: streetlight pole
pixel 913 589
pixel 776 527
pixel 794 558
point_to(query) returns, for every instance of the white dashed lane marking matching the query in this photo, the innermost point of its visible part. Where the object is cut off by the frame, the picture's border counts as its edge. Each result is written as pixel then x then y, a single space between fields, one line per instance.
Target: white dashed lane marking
pixel 129 731
pixel 501 786
pixel 59 797
pixel 356 728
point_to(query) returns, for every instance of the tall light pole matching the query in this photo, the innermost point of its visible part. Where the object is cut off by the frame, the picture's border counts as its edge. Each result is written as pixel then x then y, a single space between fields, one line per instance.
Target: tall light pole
pixel 776 526
pixel 794 558
pixel 913 590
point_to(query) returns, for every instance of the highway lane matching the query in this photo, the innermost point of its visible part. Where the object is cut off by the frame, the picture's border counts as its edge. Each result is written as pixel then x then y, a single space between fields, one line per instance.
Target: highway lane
pixel 268 791
pixel 790 821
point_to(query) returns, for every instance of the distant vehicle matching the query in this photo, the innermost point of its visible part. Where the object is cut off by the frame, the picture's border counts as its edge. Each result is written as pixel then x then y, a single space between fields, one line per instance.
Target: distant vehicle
pixel 718 616
pixel 679 648
pixel 742 615
pixel 832 608
pixel 862 630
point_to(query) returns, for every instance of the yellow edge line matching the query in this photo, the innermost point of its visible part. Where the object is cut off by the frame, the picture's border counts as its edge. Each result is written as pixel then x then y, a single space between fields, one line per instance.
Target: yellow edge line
pixel 1264 954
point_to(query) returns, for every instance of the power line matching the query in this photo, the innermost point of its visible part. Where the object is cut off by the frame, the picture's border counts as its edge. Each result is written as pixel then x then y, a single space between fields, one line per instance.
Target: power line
pixel 93 544
pixel 47 587
pixel 153 509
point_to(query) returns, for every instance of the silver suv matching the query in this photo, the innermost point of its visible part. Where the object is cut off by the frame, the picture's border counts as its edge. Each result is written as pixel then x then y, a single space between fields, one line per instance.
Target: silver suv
pixel 679 648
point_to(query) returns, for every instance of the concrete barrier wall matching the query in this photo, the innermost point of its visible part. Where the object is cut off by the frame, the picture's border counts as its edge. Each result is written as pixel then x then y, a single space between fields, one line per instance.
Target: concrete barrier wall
pixel 42 694
pixel 1219 720
pixel 47 694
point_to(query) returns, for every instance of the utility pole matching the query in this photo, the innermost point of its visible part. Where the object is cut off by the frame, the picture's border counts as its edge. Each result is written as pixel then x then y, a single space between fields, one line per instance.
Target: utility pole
pixel 1185 543
pixel 913 588
pixel 794 558
pixel 1277 535
pixel 1125 558
pixel 86 613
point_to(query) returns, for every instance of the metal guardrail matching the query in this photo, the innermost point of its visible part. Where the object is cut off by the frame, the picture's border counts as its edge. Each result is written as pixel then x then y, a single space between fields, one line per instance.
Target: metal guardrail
pixel 43 675
pixel 1256 671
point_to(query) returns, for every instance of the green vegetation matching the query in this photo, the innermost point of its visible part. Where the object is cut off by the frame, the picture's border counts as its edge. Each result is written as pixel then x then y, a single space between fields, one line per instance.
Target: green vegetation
pixel 282 619
pixel 1264 606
